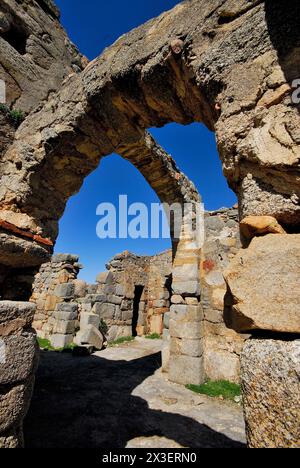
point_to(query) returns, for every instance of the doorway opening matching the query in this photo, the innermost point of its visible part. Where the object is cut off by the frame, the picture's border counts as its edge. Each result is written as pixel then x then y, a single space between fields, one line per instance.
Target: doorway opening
pixel 138 292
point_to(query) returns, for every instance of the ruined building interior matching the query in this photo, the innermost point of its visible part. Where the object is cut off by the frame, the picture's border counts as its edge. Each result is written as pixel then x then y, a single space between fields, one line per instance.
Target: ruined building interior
pixel 229 310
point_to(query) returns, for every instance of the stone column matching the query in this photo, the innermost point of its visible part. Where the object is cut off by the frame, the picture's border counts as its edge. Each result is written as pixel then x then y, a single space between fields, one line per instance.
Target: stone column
pixel 18 361
pixel 186 364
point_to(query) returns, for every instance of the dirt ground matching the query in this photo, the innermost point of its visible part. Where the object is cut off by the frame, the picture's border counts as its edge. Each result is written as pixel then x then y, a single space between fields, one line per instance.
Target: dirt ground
pixel 119 398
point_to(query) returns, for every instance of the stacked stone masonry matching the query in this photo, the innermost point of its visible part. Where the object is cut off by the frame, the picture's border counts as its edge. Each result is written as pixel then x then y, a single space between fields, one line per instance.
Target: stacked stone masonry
pixel 66 304
pixel 228 64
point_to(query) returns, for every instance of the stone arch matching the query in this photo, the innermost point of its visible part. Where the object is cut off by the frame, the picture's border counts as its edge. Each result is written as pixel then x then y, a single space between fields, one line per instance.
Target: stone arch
pixel 202 61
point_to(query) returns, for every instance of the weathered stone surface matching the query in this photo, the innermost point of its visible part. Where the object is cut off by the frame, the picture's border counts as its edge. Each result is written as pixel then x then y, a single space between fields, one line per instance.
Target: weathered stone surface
pixel 186 347
pixel 156 324
pixel 188 330
pixel 14 316
pixel 90 335
pixel 66 291
pixel 104 278
pixel 260 225
pixel 89 319
pixel 64 258
pixel 186 313
pixel 177 299
pixel 12 439
pixel 271 392
pixel 14 403
pixel 186 370
pixel 79 288
pixel 60 341
pixel 264 287
pixel 18 359
pixel 105 311
pixel 221 364
pixel 64 327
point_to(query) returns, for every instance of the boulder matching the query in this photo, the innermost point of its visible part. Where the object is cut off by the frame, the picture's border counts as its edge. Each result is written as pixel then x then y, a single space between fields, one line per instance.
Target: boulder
pixel 252 226
pixel 270 373
pixel 264 287
pixel 90 336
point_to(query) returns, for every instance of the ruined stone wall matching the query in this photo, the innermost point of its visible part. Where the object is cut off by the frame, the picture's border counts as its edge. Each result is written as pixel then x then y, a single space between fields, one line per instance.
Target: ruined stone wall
pixel 54 288
pixel 159 292
pixel 109 302
pixel 222 346
pixel 229 64
pixel 35 57
pixel 127 272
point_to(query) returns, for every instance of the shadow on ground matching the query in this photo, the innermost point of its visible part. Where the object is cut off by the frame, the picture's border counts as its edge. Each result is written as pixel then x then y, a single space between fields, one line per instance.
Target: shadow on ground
pixel 87 403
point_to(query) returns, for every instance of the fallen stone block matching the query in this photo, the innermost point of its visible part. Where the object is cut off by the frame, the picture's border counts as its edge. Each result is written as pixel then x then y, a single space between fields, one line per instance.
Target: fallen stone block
pixel 260 225
pixel 264 287
pixel 90 336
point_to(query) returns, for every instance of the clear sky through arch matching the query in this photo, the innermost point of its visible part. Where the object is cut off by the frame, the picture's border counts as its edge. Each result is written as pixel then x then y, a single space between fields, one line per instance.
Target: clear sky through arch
pixel 93 25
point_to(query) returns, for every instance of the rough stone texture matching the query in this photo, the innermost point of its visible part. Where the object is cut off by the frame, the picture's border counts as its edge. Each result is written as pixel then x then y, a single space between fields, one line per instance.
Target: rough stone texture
pixel 271 384
pixel 35 53
pixel 18 362
pixel 35 58
pixel 54 293
pixel 263 285
pixel 14 404
pixel 228 64
pixel 222 79
pixel 20 352
pixel 133 405
pixel 222 347
pixel 14 316
pixel 61 340
pixel 90 335
pixel 260 225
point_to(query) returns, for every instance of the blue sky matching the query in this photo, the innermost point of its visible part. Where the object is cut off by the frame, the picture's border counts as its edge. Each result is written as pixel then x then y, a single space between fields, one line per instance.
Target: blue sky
pixel 93 25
